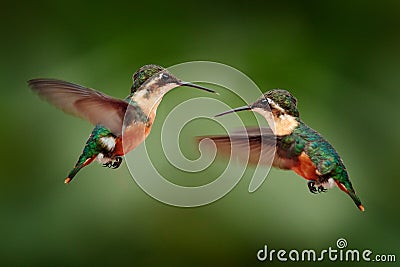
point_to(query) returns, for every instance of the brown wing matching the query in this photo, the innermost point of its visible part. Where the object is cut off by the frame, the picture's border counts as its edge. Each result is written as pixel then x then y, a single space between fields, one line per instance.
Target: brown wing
pixel 83 102
pixel 250 145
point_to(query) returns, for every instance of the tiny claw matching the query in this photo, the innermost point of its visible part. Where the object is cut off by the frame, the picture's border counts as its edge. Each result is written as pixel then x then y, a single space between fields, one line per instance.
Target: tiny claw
pixel 117 163
pixel 66 181
pixel 311 187
pixel 322 189
pixel 107 164
pixel 313 190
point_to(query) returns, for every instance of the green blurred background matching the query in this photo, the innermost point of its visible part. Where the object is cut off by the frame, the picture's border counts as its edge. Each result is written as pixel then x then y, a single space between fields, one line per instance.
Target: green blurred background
pixel 340 58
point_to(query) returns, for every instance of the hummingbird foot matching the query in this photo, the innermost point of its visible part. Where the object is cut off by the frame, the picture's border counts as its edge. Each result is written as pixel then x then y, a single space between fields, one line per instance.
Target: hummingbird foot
pixel 117 162
pixel 322 189
pixel 113 164
pixel 311 187
pixel 108 164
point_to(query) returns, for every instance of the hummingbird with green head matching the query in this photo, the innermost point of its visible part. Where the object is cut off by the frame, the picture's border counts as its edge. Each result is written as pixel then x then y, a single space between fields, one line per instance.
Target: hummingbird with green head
pixel 296 146
pixel 120 124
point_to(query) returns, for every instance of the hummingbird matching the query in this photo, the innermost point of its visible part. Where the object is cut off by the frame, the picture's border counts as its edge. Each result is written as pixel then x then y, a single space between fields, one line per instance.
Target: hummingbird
pixel 120 124
pixel 297 146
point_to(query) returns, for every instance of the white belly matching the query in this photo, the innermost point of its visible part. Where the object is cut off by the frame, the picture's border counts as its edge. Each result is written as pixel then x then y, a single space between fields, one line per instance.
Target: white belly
pixel 329 184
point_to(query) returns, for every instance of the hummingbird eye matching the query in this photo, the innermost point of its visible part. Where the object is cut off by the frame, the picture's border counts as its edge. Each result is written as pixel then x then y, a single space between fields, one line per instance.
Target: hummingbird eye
pixel 164 76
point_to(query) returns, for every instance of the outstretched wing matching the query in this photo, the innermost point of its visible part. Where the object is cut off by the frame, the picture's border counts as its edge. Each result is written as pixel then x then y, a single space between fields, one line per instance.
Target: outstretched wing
pixel 89 104
pixel 251 145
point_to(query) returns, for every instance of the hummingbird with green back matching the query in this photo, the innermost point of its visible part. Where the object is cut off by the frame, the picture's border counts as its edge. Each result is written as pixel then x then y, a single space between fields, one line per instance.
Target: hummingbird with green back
pixel 297 147
pixel 120 124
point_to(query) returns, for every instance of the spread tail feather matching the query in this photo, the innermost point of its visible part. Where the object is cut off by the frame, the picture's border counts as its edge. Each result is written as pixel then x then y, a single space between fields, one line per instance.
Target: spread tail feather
pixel 356 200
pixel 79 165
pixel 352 194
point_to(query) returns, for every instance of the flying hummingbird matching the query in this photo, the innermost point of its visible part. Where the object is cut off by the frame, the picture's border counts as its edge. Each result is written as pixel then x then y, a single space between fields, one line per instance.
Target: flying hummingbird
pixel 297 147
pixel 121 125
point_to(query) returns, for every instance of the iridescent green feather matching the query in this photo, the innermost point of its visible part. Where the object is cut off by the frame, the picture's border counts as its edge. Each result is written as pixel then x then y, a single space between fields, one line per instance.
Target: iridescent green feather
pixel 143 74
pixel 325 157
pixel 92 148
pixel 321 153
pixel 285 100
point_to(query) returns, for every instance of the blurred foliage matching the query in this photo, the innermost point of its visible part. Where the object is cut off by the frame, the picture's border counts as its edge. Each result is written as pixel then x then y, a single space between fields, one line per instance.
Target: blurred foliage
pixel 340 58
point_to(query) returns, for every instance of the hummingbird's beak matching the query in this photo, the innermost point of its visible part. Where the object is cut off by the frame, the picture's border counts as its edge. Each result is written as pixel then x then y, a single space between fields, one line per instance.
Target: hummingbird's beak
pixel 196 86
pixel 233 110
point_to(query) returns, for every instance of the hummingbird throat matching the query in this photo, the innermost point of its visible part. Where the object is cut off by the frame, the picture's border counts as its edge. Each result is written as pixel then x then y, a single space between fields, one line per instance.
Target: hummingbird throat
pixel 280 123
pixel 149 98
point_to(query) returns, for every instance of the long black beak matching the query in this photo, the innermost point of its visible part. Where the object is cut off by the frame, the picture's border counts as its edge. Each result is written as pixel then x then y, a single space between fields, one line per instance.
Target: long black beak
pixel 233 110
pixel 196 86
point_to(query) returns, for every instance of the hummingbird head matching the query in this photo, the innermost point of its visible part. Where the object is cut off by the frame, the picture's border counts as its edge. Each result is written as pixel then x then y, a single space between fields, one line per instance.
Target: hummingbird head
pixel 151 83
pixel 278 101
pixel 157 80
pixel 281 104
pixel 143 74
